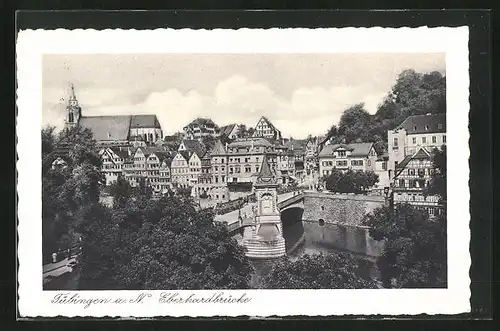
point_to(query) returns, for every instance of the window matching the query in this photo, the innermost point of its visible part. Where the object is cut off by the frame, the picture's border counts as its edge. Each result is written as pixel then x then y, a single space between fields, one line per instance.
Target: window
pixel 341 153
pixel 342 163
pixel 414 140
pixel 222 160
pixel 384 165
pixel 411 172
pixel 355 163
pixel 440 126
pixel 395 144
pixel 434 139
pixel 424 140
pixel 426 128
pixel 321 222
pixel 415 128
pixel 444 138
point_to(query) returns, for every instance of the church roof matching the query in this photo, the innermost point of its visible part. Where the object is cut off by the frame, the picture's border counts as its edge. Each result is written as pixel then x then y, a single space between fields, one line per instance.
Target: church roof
pixel 107 127
pixel 117 127
pixel 144 121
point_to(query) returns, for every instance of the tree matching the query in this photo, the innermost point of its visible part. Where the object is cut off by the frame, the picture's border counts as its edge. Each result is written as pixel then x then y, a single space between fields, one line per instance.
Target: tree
pixel 415 247
pixel 121 192
pixel 319 271
pixel 437 185
pixel 67 190
pixel 163 244
pixel 412 94
pixel 350 181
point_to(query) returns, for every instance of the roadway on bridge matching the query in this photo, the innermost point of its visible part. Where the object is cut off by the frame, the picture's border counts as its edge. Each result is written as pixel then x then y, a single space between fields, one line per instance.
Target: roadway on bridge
pixel 246 211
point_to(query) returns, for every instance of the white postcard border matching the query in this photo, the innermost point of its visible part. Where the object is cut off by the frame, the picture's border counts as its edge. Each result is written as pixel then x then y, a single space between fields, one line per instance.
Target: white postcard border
pixel 32 44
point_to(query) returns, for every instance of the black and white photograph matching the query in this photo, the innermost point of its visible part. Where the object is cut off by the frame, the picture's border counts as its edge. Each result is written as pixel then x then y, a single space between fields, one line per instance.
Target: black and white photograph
pixel 247 171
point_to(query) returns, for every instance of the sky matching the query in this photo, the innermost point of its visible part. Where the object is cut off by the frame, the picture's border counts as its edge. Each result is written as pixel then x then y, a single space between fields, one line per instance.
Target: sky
pixel 300 93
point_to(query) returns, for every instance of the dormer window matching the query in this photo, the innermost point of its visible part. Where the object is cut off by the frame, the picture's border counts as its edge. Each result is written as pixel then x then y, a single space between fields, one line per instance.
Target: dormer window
pixel 440 126
pixel 426 128
pixel 415 128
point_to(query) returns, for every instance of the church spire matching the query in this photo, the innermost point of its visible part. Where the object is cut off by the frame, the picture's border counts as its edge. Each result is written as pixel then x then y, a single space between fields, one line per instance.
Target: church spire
pixel 72 95
pixel 73 110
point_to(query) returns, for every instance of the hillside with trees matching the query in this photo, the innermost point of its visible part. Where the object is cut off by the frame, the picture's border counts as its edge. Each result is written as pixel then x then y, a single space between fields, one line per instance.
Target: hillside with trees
pixel 412 94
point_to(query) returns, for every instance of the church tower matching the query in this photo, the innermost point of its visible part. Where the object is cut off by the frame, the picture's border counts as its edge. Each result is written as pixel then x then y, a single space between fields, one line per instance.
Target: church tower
pixel 264 239
pixel 73 110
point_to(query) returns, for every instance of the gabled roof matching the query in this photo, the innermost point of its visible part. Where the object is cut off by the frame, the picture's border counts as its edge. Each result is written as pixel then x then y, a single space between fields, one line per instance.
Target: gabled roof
pixel 202 122
pixel 185 155
pixel 194 146
pixel 121 153
pixel 107 127
pixel 227 129
pixel 430 123
pixel 218 149
pixel 421 154
pixel 357 149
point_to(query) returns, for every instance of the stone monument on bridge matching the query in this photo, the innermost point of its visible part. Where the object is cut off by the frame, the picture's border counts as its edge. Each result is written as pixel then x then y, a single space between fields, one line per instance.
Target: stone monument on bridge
pixel 264 239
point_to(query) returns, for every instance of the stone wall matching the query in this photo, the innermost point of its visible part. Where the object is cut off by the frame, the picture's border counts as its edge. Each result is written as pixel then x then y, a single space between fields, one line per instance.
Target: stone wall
pixel 339 208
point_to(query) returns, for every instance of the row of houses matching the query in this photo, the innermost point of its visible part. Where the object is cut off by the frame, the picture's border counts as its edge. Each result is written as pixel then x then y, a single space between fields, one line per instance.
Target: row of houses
pixel 407 166
pixel 222 172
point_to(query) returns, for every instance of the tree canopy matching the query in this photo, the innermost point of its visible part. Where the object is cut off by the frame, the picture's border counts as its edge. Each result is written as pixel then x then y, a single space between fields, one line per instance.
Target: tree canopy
pixel 67 190
pixel 351 181
pixel 319 271
pixel 437 185
pixel 412 94
pixel 415 247
pixel 164 244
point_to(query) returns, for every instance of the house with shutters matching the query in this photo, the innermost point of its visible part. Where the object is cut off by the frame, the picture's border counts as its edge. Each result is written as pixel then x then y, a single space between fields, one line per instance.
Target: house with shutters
pixel 201 127
pixel 412 177
pixel 415 132
pixel 356 156
pixel 112 163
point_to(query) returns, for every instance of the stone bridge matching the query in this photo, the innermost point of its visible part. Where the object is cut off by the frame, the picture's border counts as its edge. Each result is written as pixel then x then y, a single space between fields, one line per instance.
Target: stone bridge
pixel 321 219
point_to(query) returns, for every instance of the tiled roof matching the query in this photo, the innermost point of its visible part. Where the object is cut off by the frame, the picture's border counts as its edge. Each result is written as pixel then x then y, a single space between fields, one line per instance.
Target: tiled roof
pixel 247 142
pixel 185 155
pixel 195 146
pixel 420 154
pixel 227 129
pixel 218 149
pixel 357 149
pixel 430 123
pixel 120 152
pixel 107 127
pixel 202 122
pixel 144 121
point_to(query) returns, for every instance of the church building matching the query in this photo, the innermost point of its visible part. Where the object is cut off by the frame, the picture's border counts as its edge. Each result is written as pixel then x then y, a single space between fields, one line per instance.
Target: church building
pixel 114 130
